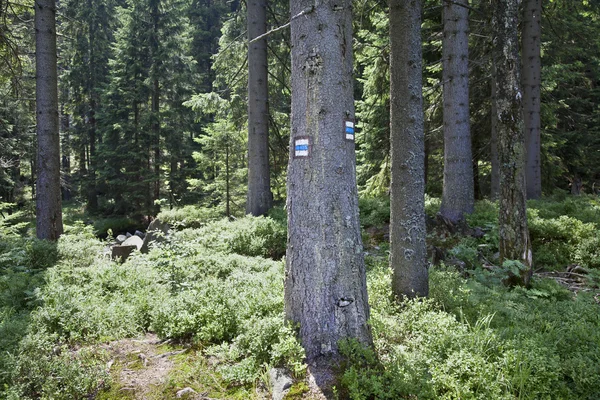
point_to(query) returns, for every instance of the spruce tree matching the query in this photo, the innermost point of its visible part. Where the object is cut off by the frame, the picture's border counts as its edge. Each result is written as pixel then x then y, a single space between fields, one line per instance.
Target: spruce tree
pixel 512 222
pixel 458 195
pixel 325 285
pixel 408 250
pixel 48 203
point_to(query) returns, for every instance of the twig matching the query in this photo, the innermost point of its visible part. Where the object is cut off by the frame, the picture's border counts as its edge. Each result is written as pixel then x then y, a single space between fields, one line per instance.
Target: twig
pixel 303 12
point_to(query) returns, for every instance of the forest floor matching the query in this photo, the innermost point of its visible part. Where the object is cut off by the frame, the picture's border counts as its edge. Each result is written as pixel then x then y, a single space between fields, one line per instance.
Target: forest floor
pixel 148 368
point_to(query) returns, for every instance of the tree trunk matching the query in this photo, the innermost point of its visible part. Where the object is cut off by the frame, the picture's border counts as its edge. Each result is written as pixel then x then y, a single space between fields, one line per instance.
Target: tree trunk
pixel 514 234
pixel 48 201
pixel 155 12
pixel 325 284
pixel 532 70
pixel 66 155
pixel 495 184
pixel 408 250
pixel 458 197
pixel 260 198
pixel 92 193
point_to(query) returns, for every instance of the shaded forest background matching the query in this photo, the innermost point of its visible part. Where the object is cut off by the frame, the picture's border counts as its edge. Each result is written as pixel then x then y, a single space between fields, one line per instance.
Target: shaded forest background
pixel 154 114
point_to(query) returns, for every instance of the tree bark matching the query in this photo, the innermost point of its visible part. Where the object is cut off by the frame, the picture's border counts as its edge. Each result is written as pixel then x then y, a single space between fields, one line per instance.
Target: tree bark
pixel 48 200
pixel 408 250
pixel 260 199
pixel 325 283
pixel 458 196
pixel 532 70
pixel 495 184
pixel 514 234
pixel 91 190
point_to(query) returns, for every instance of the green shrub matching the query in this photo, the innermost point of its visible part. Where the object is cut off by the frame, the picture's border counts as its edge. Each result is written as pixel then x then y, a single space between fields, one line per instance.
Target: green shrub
pixel 264 342
pixel 116 225
pixel 588 252
pixel 484 215
pixel 46 369
pixel 477 341
pixel 189 216
pixel 374 211
pixel 103 302
pixel 248 236
pixel 555 241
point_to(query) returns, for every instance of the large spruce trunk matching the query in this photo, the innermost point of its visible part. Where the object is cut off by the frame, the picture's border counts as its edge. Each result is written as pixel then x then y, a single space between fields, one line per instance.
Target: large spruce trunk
pixel 260 198
pixel 48 194
pixel 325 282
pixel 531 40
pixel 514 234
pixel 408 250
pixel 458 192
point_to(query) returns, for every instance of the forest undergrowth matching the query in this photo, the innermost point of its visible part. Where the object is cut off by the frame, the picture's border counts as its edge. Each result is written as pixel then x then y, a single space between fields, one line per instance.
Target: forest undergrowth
pixel 213 296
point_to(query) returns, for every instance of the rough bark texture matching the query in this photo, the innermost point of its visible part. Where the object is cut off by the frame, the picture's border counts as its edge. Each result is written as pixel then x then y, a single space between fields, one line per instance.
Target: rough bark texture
pixel 408 256
pixel 532 70
pixel 325 283
pixel 495 185
pixel 260 198
pixel 48 201
pixel 514 234
pixel 458 196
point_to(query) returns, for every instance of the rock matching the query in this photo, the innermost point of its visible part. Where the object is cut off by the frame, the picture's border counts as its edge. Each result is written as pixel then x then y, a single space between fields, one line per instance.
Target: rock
pixel 139 234
pixel 477 233
pixel 121 238
pixel 134 241
pixel 281 383
pixel 157 232
pixel 128 235
pixel 577 269
pixel 459 265
pixel 184 392
pixel 122 252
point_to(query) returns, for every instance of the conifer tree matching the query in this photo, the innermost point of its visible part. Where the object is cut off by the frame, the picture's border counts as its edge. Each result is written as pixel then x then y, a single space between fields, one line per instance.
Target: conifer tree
pixel 259 199
pixel 531 39
pixel 325 285
pixel 48 203
pixel 514 234
pixel 408 250
pixel 458 195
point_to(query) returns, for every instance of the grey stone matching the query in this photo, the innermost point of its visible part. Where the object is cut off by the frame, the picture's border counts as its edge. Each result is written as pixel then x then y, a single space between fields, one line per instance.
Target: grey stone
pixel 281 383
pixel 122 252
pixel 185 391
pixel 139 234
pixel 121 238
pixel 134 241
pixel 128 235
pixel 157 232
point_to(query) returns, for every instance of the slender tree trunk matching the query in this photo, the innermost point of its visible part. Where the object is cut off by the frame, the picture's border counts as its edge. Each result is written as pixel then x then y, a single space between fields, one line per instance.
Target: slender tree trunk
pixel 66 155
pixel 514 234
pixel 260 198
pixel 48 201
pixel 532 71
pixel 227 190
pixel 155 97
pixel 156 137
pixel 457 198
pixel 92 194
pixel 408 255
pixel 325 284
pixel 495 184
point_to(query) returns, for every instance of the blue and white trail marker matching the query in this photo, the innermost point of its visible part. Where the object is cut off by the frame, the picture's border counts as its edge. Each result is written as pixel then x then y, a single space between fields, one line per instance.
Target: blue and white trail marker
pixel 301 147
pixel 349 125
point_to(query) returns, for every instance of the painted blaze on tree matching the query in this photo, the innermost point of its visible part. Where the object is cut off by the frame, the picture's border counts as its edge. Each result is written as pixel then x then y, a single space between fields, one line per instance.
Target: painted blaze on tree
pixel 325 287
